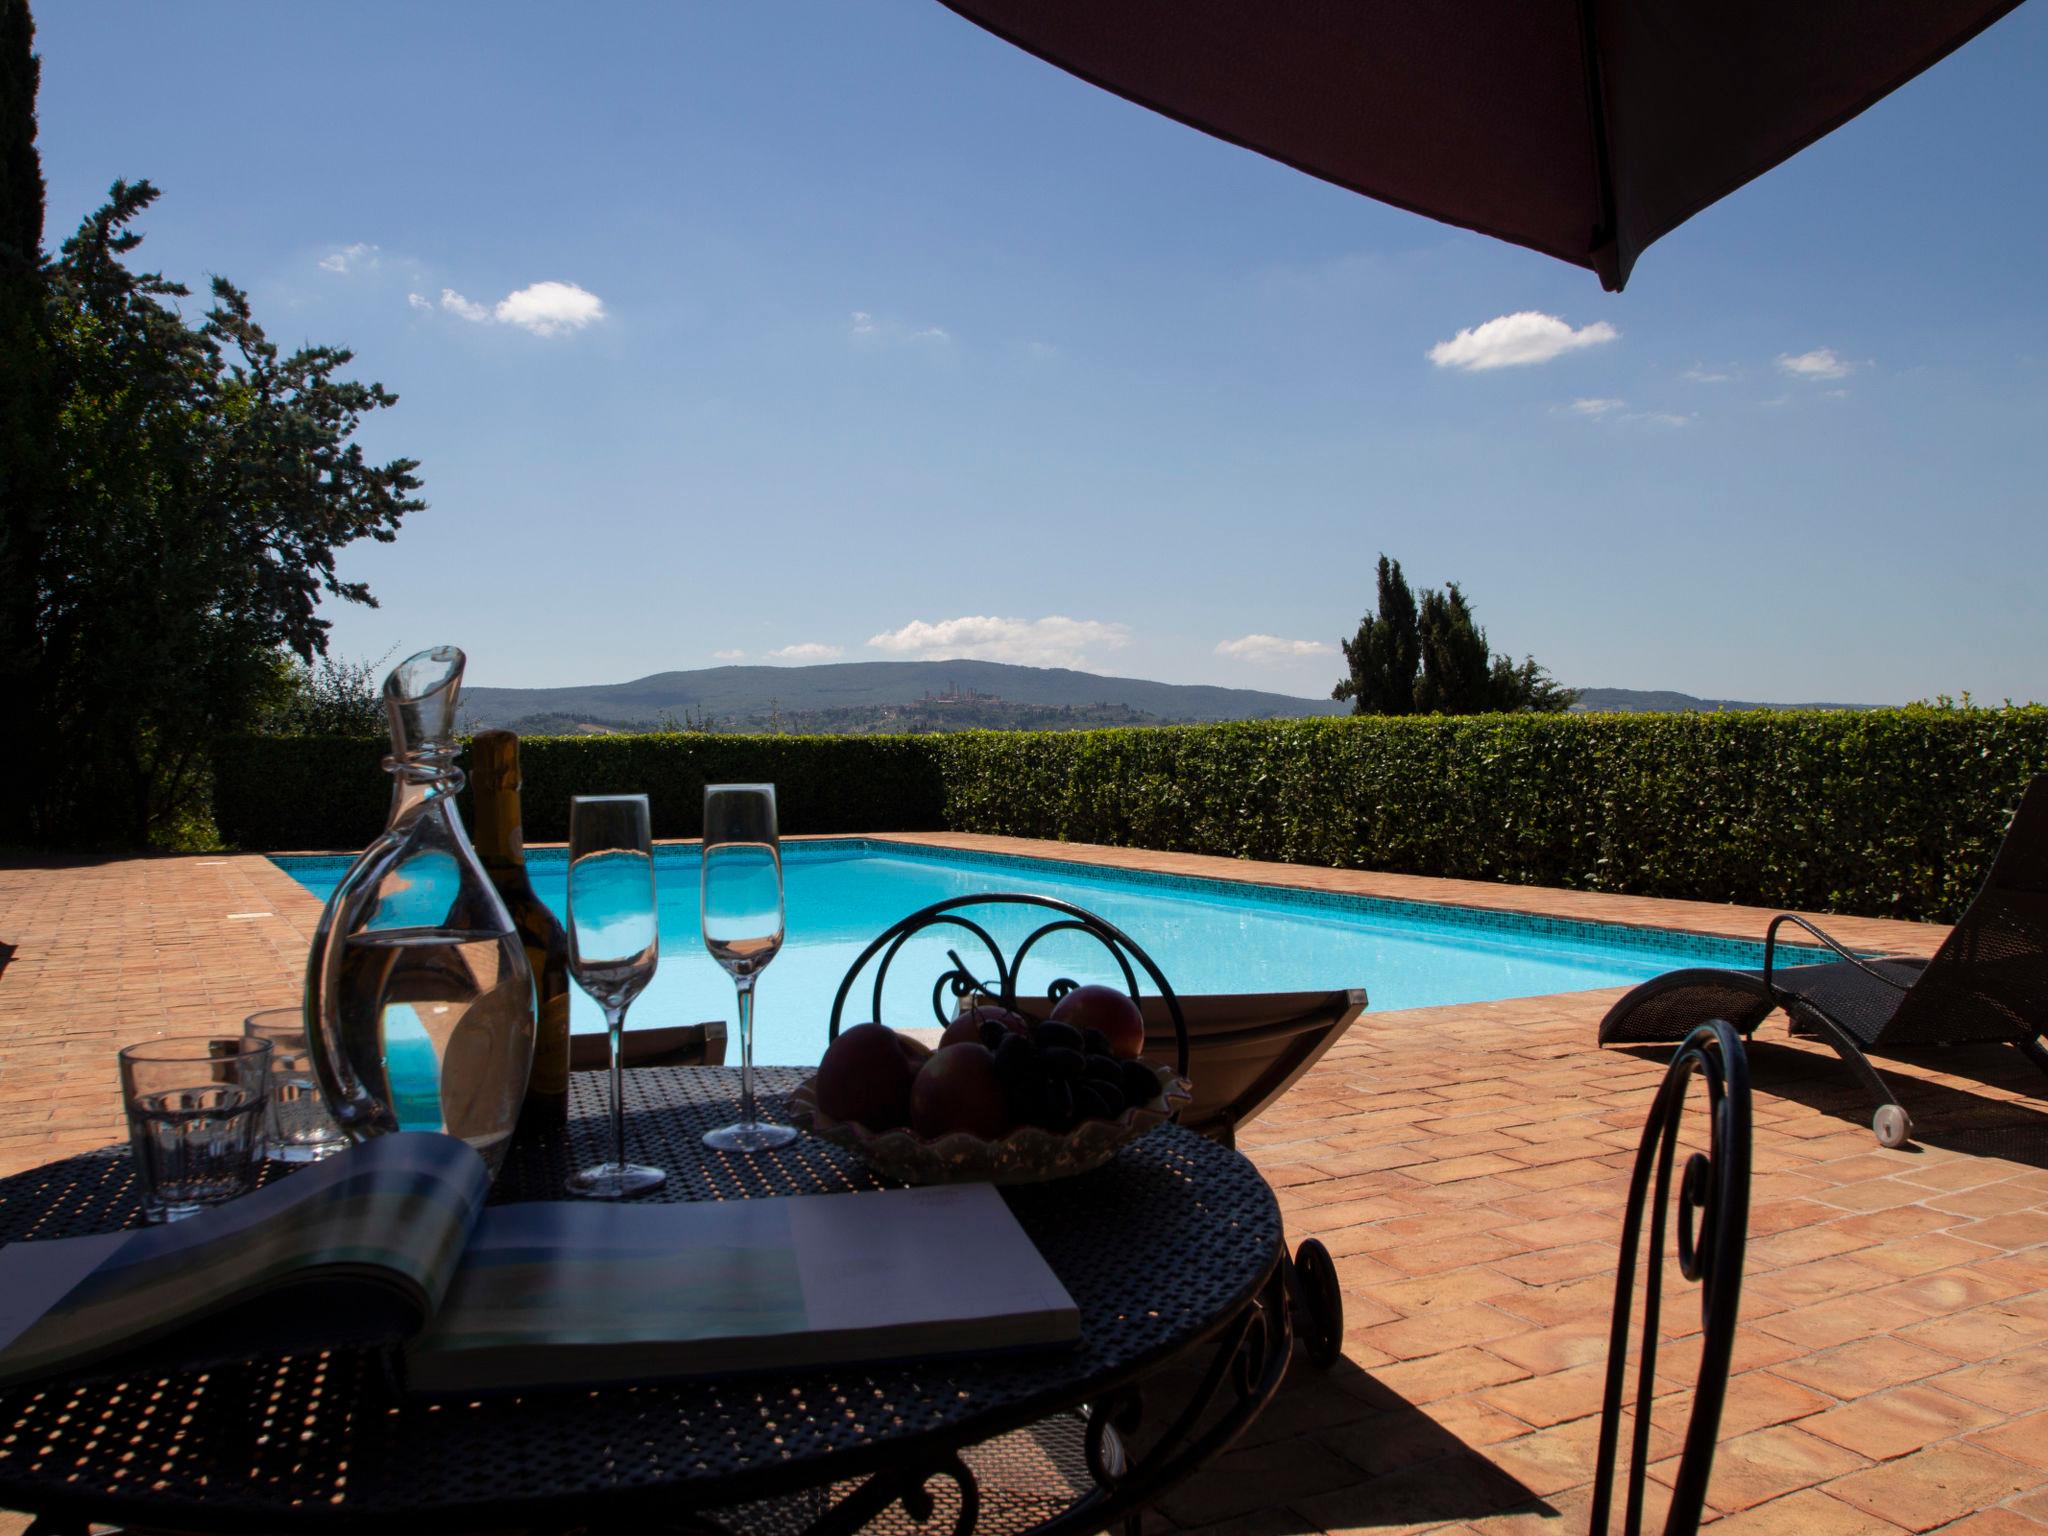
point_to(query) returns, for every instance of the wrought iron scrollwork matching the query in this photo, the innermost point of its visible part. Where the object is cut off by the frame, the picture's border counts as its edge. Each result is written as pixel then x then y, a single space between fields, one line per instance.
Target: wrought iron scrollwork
pixel 962 981
pixel 1712 1202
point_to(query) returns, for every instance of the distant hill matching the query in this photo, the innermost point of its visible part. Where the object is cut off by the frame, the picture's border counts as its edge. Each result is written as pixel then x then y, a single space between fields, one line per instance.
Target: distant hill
pixel 1647 700
pixel 861 696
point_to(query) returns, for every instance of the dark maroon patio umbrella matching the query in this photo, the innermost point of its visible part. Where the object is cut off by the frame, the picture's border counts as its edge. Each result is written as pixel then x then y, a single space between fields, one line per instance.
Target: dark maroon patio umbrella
pixel 1584 129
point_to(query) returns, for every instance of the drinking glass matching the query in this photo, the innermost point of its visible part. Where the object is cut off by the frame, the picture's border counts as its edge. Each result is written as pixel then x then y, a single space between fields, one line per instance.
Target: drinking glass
pixel 195 1120
pixel 300 1128
pixel 742 903
pixel 613 944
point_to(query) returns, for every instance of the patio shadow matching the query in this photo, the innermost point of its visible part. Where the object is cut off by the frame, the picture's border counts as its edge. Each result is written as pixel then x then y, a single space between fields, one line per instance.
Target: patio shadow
pixel 1338 1451
pixel 1950 1118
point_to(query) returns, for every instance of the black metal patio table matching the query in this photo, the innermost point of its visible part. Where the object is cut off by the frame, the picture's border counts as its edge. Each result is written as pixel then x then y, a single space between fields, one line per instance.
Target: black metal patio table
pixel 1172 1253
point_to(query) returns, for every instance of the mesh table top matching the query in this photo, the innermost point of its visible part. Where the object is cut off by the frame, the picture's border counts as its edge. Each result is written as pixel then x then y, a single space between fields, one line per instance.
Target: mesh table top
pixel 1159 1248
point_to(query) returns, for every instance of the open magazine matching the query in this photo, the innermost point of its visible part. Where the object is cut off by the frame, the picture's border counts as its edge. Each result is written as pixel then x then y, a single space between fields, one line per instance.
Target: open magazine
pixel 391 1241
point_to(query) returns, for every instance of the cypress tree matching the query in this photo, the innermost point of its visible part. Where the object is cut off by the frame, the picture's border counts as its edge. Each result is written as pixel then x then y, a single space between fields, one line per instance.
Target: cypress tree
pixel 1455 674
pixel 1433 659
pixel 1385 652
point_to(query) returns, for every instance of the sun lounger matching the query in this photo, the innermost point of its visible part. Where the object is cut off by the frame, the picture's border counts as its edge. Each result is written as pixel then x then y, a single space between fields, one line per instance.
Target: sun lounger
pixel 1987 982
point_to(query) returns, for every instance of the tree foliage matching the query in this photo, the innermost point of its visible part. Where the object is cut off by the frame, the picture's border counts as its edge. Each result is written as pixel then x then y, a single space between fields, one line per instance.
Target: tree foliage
pixel 324 697
pixel 1431 658
pixel 21 173
pixel 173 499
pixel 1384 654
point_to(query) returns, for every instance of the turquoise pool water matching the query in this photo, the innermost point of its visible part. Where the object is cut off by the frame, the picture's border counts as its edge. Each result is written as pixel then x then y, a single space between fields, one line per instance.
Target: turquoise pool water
pixel 1206 935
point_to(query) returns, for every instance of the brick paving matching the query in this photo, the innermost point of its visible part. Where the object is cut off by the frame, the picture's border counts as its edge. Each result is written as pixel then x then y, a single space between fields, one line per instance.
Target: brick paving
pixel 1465 1164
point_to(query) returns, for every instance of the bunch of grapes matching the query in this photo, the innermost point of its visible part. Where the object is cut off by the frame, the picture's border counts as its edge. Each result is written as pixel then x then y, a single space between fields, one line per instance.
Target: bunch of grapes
pixel 1055 1075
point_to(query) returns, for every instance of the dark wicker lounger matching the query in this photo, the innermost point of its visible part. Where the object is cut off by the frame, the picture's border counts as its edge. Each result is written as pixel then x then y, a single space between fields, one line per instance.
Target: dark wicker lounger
pixel 1987 982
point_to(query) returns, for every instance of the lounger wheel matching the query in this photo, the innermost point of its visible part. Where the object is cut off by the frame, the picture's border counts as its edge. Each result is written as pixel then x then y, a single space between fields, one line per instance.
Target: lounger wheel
pixel 1893 1125
pixel 1321 1304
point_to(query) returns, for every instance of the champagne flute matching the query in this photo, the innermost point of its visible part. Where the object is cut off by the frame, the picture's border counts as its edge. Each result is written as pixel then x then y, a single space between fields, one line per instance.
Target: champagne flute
pixel 613 945
pixel 742 899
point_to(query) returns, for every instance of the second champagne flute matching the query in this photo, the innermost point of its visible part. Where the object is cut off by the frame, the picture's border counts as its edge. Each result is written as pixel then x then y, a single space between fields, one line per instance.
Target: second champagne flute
pixel 613 944
pixel 743 928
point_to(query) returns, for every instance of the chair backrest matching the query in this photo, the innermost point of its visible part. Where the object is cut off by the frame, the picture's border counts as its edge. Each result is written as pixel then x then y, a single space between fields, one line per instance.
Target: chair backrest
pixel 1712 1200
pixel 672 1045
pixel 1245 1049
pixel 1989 978
pixel 985 971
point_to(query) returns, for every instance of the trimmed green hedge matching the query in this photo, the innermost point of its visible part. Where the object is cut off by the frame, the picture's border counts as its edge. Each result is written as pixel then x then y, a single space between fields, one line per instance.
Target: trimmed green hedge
pixel 277 792
pixel 329 792
pixel 1884 812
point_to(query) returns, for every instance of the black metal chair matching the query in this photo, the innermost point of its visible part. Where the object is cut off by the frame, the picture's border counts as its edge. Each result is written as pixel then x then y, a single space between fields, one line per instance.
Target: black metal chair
pixel 1987 982
pixel 1312 1282
pixel 1712 1202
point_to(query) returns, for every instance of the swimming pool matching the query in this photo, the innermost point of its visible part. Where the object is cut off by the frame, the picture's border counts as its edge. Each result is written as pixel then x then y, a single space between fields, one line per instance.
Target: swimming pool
pixel 1206 935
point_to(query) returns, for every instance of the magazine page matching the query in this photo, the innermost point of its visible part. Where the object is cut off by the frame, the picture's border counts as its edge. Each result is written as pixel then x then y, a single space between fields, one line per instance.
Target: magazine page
pixel 381 1226
pixel 579 1293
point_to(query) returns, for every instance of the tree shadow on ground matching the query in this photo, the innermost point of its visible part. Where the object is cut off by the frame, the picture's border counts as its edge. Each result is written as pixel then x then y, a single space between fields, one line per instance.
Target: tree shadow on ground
pixel 1950 1118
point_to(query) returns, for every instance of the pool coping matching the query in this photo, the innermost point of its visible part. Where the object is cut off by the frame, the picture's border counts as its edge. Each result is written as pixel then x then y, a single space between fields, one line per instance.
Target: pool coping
pixel 1891 936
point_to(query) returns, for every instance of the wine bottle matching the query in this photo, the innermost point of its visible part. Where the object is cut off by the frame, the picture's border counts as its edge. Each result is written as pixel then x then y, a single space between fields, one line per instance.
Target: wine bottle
pixel 494 782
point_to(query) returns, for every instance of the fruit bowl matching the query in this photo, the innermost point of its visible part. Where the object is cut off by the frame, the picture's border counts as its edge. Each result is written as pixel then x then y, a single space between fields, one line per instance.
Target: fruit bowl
pixel 1030 1154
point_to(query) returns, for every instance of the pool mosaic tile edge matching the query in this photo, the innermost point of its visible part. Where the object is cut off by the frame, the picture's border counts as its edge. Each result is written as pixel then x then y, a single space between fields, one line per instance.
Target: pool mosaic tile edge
pixel 1710 947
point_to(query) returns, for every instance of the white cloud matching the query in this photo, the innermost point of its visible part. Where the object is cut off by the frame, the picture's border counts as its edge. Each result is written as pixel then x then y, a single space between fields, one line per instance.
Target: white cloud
pixel 550 309
pixel 1820 363
pixel 1271 650
pixel 862 326
pixel 1617 410
pixel 1040 351
pixel 1510 341
pixel 1698 375
pixel 456 304
pixel 349 258
pixel 546 309
pixel 728 655
pixel 1055 641
pixel 807 650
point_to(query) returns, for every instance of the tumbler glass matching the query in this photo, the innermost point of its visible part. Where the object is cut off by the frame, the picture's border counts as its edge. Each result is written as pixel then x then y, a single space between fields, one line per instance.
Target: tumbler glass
pixel 195 1119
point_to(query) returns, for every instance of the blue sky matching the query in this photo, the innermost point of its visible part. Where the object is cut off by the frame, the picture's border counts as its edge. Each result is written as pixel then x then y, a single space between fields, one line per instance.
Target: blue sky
pixel 822 330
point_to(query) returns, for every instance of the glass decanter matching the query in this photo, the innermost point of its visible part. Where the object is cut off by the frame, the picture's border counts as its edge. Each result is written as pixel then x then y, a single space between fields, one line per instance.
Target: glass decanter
pixel 419 999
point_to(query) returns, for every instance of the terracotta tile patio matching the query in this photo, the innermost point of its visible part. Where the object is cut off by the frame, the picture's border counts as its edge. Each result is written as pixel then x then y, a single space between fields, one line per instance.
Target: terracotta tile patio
pixel 1466 1165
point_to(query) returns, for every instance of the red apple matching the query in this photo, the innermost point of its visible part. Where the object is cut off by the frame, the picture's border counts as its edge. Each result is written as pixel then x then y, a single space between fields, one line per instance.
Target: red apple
pixel 1106 1009
pixel 958 1090
pixel 966 1029
pixel 866 1076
